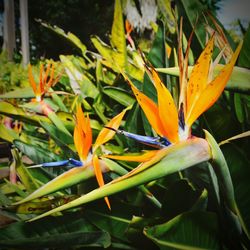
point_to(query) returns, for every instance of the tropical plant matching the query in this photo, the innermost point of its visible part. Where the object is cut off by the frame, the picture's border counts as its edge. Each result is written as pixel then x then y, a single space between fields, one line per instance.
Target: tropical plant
pixel 187 192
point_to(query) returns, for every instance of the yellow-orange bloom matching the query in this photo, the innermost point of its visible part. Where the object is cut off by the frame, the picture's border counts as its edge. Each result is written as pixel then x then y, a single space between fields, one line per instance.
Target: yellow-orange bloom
pixel 83 141
pixel 46 80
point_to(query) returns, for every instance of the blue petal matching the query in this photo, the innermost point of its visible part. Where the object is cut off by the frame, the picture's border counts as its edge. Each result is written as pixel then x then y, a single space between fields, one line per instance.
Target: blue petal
pixel 55 163
pixel 158 142
pixel 76 163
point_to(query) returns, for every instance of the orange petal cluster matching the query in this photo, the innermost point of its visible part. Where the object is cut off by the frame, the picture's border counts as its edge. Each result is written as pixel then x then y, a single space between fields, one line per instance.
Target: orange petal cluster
pixel 46 80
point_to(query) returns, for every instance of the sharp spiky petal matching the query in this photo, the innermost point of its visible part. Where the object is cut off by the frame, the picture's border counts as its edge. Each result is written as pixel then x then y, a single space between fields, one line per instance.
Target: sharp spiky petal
pixel 167 109
pixel 46 77
pixel 32 80
pixel 150 109
pixel 51 79
pixel 41 84
pixel 198 78
pixel 99 177
pixel 213 90
pixel 106 134
pixel 82 134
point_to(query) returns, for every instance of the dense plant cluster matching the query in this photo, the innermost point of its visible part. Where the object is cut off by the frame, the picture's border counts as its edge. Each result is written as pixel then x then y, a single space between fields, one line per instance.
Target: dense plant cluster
pixel 129 148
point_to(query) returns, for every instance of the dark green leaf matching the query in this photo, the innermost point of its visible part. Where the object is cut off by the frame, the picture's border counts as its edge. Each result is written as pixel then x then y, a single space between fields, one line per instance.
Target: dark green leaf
pixel 62 139
pixel 120 95
pixel 36 154
pixel 244 60
pixel 192 230
pixel 239 168
pixel 69 231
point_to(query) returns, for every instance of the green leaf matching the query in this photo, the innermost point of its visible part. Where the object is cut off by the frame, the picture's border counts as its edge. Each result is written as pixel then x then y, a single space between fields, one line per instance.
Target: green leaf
pixel 79 81
pixel 167 14
pixel 105 51
pixel 10 110
pixel 193 9
pixel 239 80
pixel 179 198
pixel 62 139
pixel 112 223
pixel 222 172
pixel 59 102
pixel 8 134
pixel 238 107
pixel 58 122
pixel 133 124
pixel 118 41
pixel 119 95
pixel 66 179
pixel 26 92
pixel 41 205
pixel 67 232
pixel 36 154
pixel 244 60
pixel 238 163
pixel 192 230
pixel 70 36
pixel 23 173
pixel 177 157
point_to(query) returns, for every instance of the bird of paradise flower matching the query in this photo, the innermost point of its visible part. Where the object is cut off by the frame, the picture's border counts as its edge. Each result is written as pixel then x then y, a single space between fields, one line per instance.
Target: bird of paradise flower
pixel 88 158
pixel 173 126
pixel 197 94
pixel 47 79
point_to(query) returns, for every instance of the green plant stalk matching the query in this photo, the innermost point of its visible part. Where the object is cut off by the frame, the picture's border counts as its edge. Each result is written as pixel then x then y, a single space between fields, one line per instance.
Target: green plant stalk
pixel 113 166
pixel 224 179
pixel 183 155
pixel 222 172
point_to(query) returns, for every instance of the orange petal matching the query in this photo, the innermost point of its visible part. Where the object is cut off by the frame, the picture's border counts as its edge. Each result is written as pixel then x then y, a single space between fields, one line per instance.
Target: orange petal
pixel 158 155
pixel 199 76
pixel 32 80
pixel 150 109
pixel 166 106
pixel 213 90
pixel 87 138
pixel 128 27
pixel 51 79
pixel 107 134
pixel 82 134
pixel 99 177
pixel 46 77
pixel 136 158
pixel 41 84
